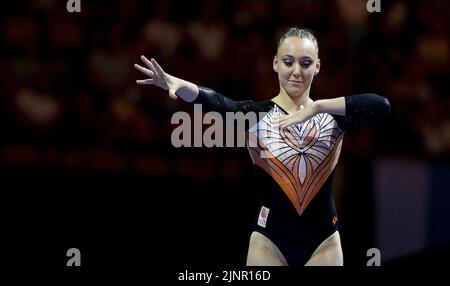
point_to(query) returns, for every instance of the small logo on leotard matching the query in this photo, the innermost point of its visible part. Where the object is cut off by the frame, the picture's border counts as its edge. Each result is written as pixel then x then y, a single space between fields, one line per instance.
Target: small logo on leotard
pixel 335 219
pixel 263 214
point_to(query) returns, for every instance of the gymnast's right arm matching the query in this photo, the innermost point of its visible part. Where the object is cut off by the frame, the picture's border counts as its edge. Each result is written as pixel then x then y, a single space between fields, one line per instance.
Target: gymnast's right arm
pixel 189 92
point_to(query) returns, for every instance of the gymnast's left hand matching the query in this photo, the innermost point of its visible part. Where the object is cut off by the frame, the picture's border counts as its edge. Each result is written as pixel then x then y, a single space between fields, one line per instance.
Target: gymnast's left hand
pixel 297 117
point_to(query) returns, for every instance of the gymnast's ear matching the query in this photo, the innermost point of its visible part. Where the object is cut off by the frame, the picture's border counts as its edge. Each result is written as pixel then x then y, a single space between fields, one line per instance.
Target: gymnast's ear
pixel 275 64
pixel 317 67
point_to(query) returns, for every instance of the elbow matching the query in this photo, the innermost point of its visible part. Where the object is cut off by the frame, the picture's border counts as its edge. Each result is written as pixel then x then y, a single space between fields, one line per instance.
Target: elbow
pixel 385 107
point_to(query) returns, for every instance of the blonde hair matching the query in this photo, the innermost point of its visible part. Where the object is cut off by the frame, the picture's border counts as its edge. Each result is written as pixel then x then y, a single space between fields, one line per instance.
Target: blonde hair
pixel 300 33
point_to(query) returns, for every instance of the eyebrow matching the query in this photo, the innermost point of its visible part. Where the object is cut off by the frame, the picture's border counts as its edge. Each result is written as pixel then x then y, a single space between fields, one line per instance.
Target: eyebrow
pixel 303 58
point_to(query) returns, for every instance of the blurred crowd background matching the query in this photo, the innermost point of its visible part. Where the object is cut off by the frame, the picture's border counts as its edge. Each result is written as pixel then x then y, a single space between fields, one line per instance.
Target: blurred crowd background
pixel 70 112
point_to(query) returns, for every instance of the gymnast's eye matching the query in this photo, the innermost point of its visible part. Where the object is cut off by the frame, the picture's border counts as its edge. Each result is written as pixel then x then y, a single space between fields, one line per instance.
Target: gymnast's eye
pixel 287 63
pixel 305 64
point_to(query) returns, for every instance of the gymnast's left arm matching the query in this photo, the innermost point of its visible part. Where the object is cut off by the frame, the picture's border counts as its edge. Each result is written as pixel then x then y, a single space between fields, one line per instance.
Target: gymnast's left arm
pixel 353 111
pixel 360 110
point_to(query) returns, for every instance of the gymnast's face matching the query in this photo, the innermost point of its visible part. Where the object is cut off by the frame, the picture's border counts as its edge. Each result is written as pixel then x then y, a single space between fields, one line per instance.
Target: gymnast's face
pixel 296 64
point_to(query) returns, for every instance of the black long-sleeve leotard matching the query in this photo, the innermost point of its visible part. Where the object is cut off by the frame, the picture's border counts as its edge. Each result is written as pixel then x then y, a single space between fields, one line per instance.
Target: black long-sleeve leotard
pixel 294 167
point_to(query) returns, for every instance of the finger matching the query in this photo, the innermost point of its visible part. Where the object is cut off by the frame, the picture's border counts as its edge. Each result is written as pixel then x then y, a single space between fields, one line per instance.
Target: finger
pixel 291 122
pixel 144 70
pixel 145 60
pixel 158 67
pixel 280 117
pixel 282 120
pixel 285 125
pixel 149 64
pixel 288 122
pixel 277 124
pixel 145 81
pixel 290 116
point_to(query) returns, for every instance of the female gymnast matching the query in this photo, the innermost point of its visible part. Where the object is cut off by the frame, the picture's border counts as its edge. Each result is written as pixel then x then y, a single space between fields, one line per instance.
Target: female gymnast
pixel 301 139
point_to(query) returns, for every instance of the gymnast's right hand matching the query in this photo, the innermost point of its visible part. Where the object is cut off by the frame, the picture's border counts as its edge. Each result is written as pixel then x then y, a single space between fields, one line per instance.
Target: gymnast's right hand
pixel 157 77
pixel 186 90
